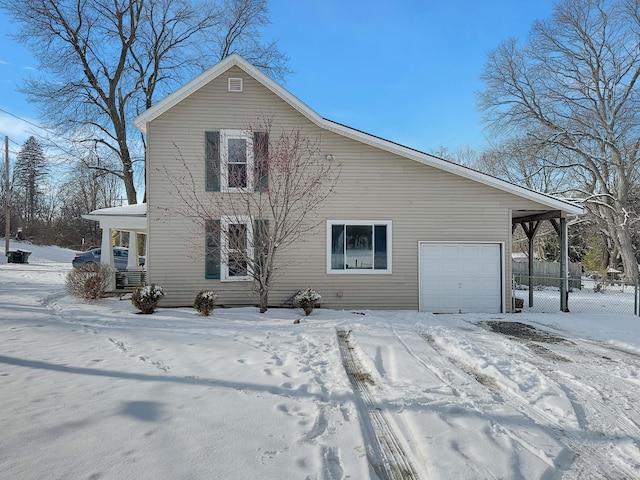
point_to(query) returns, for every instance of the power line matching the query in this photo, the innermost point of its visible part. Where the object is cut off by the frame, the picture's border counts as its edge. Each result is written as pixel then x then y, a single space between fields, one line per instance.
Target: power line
pixel 28 122
pixel 52 141
pixel 42 137
pixel 9 136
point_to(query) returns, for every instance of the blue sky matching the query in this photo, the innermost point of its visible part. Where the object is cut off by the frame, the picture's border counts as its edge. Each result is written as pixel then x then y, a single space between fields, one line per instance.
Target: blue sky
pixel 405 70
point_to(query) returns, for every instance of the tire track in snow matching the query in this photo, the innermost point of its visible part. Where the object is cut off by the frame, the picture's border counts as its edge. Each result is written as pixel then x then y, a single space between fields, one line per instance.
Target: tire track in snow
pixel 458 377
pixel 607 402
pixel 384 450
pixel 603 400
pixel 597 461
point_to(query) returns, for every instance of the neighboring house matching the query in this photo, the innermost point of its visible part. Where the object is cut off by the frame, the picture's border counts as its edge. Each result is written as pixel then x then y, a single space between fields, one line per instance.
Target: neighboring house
pixel 443 231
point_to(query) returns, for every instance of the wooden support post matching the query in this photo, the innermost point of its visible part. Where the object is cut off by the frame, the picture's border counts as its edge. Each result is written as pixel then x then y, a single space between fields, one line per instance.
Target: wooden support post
pixel 564 265
pixel 530 229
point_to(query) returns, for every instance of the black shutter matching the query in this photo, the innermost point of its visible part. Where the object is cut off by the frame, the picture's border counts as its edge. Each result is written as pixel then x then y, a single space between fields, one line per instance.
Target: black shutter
pixel 212 159
pixel 212 249
pixel 260 243
pixel 261 161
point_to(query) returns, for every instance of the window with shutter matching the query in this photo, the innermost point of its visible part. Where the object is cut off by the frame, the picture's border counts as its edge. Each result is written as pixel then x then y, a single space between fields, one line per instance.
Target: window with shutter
pixel 236 161
pixel 237 248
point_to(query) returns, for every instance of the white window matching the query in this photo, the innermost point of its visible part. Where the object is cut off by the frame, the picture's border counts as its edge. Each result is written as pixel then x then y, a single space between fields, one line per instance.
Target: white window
pixel 237 248
pixel 236 166
pixel 359 246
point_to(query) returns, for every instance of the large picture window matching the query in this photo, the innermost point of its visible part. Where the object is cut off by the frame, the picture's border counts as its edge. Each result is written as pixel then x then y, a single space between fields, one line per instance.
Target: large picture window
pixel 359 246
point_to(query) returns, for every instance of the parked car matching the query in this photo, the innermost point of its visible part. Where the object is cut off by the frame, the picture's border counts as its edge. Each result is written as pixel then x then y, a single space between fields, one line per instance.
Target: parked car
pixel 120 258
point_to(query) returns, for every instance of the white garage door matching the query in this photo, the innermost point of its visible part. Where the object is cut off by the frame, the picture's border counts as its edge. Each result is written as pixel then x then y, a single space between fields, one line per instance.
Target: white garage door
pixel 460 277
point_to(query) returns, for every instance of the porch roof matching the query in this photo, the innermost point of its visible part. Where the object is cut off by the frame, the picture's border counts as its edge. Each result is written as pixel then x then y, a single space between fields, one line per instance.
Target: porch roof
pixel 131 218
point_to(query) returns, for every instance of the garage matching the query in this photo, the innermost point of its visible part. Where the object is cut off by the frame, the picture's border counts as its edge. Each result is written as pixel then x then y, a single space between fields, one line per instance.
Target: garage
pixel 461 277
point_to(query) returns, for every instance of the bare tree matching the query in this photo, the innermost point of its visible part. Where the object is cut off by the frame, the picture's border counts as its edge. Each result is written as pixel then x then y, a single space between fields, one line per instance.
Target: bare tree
pixel 263 210
pixel 573 86
pixel 526 162
pixel 104 61
pixel 464 155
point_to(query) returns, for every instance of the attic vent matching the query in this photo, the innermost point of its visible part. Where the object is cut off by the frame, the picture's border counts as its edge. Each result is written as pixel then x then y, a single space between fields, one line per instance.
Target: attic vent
pixel 235 84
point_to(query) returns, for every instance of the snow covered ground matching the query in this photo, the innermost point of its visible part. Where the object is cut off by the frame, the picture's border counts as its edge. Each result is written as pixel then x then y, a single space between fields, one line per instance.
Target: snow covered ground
pixel 96 391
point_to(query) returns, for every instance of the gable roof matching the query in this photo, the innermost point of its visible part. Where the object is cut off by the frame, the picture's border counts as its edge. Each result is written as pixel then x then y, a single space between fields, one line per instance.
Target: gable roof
pixel 235 60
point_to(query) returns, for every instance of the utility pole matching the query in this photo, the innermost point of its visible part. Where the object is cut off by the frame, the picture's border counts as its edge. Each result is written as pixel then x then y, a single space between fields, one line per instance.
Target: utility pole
pixel 7 216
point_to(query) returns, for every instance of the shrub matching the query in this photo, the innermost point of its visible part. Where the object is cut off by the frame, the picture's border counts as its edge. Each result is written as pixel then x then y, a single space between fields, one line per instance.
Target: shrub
pixel 89 280
pixel 205 302
pixel 307 300
pixel 146 297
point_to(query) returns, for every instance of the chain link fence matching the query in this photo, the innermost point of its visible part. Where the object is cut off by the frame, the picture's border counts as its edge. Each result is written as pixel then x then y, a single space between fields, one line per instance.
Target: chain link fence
pixel 586 295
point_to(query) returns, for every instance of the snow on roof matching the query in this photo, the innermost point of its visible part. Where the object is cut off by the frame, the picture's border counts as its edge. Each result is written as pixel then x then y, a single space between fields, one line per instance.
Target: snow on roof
pixel 137 210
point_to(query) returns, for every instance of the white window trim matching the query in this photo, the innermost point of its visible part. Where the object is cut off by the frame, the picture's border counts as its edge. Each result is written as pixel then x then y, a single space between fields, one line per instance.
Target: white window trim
pixel 226 135
pixel 354 271
pixel 224 250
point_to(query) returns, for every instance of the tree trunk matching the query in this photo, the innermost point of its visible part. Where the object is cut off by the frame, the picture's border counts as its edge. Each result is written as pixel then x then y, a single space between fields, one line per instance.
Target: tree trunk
pixel 130 188
pixel 628 257
pixel 263 299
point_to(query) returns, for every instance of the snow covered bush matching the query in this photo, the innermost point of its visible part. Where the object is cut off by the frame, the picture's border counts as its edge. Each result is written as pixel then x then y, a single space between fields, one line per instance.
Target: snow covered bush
pixel 307 300
pixel 146 297
pixel 205 302
pixel 89 280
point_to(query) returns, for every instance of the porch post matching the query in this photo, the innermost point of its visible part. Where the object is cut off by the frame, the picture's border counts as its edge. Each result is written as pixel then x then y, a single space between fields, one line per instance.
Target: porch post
pixel 106 253
pixel 530 229
pixel 132 260
pixel 564 265
pixel 531 270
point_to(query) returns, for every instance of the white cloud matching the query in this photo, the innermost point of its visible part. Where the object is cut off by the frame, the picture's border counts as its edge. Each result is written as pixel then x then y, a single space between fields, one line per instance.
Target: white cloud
pixel 17 130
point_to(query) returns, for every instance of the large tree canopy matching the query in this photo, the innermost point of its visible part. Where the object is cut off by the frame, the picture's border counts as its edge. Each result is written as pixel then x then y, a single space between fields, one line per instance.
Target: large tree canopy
pixel 573 89
pixel 104 61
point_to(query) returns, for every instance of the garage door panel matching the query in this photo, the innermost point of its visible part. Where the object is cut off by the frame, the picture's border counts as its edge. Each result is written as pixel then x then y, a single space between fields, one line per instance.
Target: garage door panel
pixel 460 277
pixel 482 305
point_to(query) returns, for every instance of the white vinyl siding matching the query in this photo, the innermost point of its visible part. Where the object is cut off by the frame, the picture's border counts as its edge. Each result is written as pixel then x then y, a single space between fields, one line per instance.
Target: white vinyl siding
pixel 424 203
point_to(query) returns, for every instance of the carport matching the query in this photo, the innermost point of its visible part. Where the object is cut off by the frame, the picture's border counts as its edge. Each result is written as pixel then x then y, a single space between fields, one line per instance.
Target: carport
pixel 128 218
pixel 530 222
